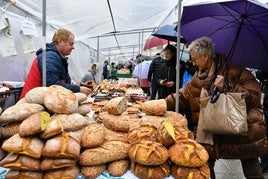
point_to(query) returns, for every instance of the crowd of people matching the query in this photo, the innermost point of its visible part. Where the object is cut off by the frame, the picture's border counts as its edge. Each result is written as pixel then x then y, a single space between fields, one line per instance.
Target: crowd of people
pixel 205 69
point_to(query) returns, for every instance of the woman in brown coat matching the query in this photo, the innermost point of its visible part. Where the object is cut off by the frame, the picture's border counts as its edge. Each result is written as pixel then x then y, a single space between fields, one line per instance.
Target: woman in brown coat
pixel 247 147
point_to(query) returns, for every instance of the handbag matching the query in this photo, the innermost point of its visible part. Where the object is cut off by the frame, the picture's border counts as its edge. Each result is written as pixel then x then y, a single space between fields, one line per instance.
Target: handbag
pixel 225 114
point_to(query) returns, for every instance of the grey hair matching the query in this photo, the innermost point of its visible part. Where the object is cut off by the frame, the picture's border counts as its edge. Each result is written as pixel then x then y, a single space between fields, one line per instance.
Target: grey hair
pixel 201 46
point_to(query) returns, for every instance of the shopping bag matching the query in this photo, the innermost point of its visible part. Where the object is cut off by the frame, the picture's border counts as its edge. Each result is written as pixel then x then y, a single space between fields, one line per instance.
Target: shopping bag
pixel 227 115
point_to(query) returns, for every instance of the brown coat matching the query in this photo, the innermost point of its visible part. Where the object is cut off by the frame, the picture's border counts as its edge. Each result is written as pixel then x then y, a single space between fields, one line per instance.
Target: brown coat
pixel 250 145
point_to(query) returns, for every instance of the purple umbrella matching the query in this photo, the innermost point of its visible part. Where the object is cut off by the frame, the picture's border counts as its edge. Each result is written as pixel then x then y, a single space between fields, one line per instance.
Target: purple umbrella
pixel 238 28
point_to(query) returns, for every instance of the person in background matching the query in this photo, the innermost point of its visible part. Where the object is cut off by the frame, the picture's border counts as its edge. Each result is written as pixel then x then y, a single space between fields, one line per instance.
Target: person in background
pixel 247 147
pixel 154 74
pixel 105 70
pixel 263 79
pixel 90 75
pixel 167 78
pixel 56 64
pixel 112 71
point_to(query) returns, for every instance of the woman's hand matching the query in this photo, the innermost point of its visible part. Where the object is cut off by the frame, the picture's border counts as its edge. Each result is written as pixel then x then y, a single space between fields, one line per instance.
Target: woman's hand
pixel 169 84
pixel 219 82
pixel 85 90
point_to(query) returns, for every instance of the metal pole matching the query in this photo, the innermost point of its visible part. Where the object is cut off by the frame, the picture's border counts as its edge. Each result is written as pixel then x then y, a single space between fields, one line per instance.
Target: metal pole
pixel 44 44
pixel 178 56
pixel 98 48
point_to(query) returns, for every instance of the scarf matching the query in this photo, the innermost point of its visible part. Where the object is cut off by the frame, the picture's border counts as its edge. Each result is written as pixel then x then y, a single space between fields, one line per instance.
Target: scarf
pixel 207 78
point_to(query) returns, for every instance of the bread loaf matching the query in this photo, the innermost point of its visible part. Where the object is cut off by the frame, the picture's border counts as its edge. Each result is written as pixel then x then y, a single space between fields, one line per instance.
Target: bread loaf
pixel 83 109
pixel 176 119
pixel 179 172
pixel 36 95
pixel 115 136
pixel 81 97
pixel 188 153
pixel 92 172
pixel 148 153
pixel 10 129
pixel 107 152
pixel 118 168
pixel 69 172
pixel 20 174
pixel 60 100
pixel 149 120
pixel 116 105
pixel 61 146
pixel 142 133
pixel 21 162
pixel 64 122
pixel 154 107
pixel 93 136
pixel 150 171
pixel 50 164
pixel 34 124
pixel 31 146
pixel 20 112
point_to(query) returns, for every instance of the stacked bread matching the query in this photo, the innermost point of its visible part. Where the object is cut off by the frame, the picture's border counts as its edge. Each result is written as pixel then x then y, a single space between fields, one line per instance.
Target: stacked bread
pixel 43 134
pixel 162 145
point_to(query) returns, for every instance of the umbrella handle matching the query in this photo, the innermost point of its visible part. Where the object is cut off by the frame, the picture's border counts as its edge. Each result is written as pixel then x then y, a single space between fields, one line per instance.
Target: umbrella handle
pixel 215 95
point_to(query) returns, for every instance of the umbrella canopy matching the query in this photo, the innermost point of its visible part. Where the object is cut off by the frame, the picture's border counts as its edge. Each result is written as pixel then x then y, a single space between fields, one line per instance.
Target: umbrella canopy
pixel 238 29
pixel 154 42
pixel 168 32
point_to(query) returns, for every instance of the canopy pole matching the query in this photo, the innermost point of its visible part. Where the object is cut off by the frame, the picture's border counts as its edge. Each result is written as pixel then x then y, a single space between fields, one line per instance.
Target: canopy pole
pixel 98 48
pixel 44 77
pixel 178 57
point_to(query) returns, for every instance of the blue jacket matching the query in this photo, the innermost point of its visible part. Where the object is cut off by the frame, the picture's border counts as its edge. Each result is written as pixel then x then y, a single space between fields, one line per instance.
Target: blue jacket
pixel 56 68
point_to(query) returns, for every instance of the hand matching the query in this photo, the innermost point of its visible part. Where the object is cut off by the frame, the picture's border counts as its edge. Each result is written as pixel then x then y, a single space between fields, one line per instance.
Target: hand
pixel 219 82
pixel 85 90
pixel 170 84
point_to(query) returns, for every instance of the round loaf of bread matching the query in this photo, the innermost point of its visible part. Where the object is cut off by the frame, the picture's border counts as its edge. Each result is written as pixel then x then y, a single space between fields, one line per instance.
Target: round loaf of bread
pixel 118 168
pixel 148 153
pixel 188 153
pixel 60 100
pixel 93 135
pixel 36 95
pixel 202 172
pixel 93 171
pixel 150 171
pixel 156 107
pixel 116 105
pixel 142 133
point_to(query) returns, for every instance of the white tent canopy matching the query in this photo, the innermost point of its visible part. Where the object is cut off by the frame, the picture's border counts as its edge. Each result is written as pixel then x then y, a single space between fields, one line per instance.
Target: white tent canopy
pixel 117 28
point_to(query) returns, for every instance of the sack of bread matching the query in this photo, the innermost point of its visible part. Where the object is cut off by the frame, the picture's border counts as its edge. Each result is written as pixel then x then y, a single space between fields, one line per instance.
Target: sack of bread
pixel 34 124
pixel 188 153
pixel 116 105
pixel 91 172
pixel 150 171
pixel 93 135
pixel 157 107
pixel 36 95
pixel 31 146
pixel 62 146
pixel 202 172
pixel 148 153
pixel 20 162
pixel 21 174
pixel 20 112
pixel 109 151
pixel 10 129
pixel 64 122
pixel 68 172
pixel 136 135
pixel 56 163
pixel 118 168
pixel 60 100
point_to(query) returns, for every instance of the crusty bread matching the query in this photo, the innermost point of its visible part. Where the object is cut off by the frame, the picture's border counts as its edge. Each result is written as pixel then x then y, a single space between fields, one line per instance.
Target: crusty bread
pixel 69 172
pixel 20 112
pixel 21 174
pixel 34 124
pixel 52 163
pixel 81 97
pixel 142 133
pixel 157 107
pixel 107 152
pixel 188 153
pixel 150 120
pixel 92 172
pixel 60 100
pixel 116 105
pixel 115 136
pixel 83 109
pixel 10 129
pixel 36 95
pixel 21 162
pixel 93 136
pixel 202 172
pixel 31 146
pixel 118 168
pixel 150 171
pixel 148 153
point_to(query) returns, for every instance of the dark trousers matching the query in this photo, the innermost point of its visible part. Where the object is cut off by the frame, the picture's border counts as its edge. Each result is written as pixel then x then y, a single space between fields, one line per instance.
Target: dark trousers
pixel 154 89
pixel 251 168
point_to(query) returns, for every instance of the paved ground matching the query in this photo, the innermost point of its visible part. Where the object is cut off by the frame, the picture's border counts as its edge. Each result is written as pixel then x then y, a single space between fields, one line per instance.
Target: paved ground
pixel 230 169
